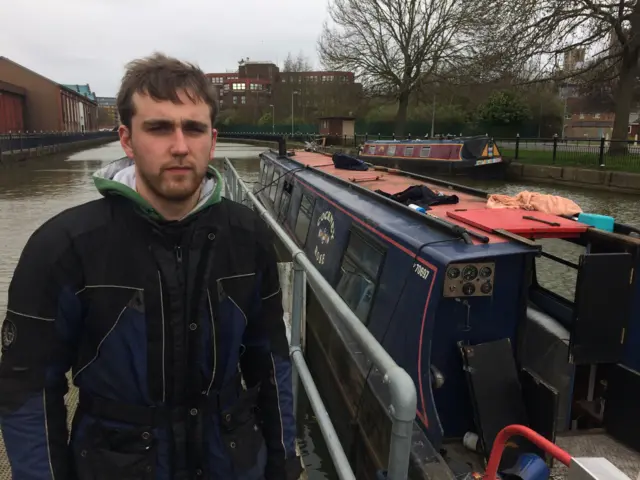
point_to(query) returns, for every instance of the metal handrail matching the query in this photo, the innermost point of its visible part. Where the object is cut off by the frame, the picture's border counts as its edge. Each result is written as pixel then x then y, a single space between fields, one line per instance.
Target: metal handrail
pixel 401 386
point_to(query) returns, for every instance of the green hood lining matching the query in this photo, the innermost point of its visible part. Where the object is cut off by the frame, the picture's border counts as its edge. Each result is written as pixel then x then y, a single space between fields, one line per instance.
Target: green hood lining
pixel 103 180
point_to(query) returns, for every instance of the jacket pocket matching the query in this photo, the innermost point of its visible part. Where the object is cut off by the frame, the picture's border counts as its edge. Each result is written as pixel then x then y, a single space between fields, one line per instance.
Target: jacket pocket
pixel 240 431
pixel 107 453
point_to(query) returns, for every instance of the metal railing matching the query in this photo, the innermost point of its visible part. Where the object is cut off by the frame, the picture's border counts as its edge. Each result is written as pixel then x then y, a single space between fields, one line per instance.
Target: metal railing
pixel 24 141
pixel 401 386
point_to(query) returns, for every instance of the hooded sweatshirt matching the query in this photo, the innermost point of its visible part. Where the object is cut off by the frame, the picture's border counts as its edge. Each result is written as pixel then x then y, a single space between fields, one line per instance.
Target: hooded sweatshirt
pixel 119 178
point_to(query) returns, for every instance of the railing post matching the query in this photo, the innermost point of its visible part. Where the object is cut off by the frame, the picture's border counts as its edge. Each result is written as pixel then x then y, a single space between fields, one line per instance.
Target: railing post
pixel 297 311
pixel 238 191
pixel 517 146
pixel 555 147
pixel 403 412
pixel 601 159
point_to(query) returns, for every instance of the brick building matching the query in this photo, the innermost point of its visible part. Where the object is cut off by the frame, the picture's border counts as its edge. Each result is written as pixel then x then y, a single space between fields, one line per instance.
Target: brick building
pixel 257 88
pixel 107 112
pixel 47 105
pixel 12 105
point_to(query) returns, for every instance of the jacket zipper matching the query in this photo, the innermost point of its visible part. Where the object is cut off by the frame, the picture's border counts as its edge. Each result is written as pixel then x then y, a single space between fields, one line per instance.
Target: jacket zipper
pixel 178 250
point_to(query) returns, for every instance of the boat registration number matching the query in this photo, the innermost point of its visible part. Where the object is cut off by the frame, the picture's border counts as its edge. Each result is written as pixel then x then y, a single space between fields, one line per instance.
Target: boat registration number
pixel 421 271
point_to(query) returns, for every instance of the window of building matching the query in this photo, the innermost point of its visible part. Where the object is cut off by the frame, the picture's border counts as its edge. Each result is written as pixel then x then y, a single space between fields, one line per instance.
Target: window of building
pixel 359 273
pixel 582 116
pixel 235 100
pixel 408 151
pixel 226 87
pixel 304 218
pixel 425 152
pixel 372 149
pixel 239 86
pixel 243 100
pixel 221 102
pixel 391 150
pixel 255 86
pixel 596 115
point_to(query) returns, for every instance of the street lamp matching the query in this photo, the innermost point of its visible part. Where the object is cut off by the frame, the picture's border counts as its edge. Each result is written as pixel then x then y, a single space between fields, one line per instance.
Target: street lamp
pixel 273 119
pixel 294 92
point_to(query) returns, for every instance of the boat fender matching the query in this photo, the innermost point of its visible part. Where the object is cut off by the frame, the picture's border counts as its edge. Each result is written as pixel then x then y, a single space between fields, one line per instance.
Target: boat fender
pixel 417 208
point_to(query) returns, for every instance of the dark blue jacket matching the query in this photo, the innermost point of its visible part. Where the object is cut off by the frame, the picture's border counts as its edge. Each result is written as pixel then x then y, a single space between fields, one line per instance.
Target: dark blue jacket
pixel 174 336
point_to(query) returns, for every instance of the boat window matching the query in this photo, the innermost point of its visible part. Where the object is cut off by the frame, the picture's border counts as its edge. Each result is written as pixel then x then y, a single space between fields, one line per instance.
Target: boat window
pixel 304 217
pixel 408 151
pixel 267 179
pixel 359 272
pixel 274 184
pixel 391 150
pixel 425 152
pixel 557 275
pixel 372 149
pixel 286 199
pixel 263 171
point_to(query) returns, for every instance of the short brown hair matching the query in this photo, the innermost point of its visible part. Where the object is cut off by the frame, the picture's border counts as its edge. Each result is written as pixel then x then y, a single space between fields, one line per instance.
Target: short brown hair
pixel 161 77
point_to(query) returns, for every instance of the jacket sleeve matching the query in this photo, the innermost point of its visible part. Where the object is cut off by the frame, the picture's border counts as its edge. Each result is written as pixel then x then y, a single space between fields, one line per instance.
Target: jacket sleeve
pixel 36 354
pixel 266 359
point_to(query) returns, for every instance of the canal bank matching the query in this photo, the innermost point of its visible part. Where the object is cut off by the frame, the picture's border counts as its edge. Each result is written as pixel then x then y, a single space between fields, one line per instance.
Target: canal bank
pixel 607 180
pixel 18 153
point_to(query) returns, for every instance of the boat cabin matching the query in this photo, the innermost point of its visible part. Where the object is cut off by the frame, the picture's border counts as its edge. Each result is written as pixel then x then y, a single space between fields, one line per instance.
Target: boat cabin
pixel 500 316
pixel 449 154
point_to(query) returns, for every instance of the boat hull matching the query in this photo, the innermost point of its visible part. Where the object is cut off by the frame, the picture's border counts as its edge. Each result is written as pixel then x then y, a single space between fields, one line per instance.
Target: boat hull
pixel 356 405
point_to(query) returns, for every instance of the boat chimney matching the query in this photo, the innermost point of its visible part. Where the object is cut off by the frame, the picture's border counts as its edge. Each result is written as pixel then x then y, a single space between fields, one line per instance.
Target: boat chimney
pixel 282 147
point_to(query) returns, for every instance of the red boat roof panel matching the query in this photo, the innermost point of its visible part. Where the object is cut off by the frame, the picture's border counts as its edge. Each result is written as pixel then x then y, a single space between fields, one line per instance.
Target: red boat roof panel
pixel 484 223
pixel 521 222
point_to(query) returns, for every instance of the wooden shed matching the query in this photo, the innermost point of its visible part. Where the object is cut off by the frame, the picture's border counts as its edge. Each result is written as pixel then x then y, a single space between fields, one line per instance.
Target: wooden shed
pixel 337 126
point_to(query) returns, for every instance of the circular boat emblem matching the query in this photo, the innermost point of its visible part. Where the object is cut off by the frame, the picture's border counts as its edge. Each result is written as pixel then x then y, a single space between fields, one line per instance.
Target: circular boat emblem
pixel 9 333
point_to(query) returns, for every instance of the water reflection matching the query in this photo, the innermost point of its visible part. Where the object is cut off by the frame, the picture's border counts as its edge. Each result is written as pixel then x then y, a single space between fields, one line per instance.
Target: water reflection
pixel 623 207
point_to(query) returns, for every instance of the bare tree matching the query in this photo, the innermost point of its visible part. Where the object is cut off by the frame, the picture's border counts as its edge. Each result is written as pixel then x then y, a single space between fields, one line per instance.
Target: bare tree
pixel 393 45
pixel 607 32
pixel 301 63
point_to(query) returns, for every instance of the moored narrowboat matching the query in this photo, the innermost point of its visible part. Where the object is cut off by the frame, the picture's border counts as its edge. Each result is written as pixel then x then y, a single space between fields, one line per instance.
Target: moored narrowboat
pixel 472 155
pixel 457 294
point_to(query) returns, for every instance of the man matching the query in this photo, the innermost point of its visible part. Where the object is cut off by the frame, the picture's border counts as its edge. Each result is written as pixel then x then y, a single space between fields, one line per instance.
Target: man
pixel 163 299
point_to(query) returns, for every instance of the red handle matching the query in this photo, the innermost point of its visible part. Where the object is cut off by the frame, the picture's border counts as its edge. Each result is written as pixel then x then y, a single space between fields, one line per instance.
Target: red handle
pixel 511 430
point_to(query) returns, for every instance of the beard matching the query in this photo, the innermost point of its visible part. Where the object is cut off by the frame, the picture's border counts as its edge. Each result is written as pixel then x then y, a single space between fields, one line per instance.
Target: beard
pixel 174 187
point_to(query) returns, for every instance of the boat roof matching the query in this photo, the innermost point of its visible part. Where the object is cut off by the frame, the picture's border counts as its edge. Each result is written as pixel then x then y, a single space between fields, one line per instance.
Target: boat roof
pixel 455 140
pixel 470 213
pixel 450 139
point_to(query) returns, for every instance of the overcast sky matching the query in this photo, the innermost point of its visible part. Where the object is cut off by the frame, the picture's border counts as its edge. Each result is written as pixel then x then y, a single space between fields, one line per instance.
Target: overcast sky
pixel 89 41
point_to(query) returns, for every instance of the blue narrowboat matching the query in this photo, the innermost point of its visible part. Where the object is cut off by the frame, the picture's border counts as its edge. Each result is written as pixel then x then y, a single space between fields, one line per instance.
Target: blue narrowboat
pixel 457 155
pixel 473 304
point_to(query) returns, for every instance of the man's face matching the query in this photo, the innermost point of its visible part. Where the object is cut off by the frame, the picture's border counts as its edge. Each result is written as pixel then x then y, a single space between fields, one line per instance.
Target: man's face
pixel 171 145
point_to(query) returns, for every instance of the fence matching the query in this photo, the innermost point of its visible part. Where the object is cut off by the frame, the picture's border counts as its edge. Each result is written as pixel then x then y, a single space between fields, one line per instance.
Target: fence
pixel 401 386
pixel 589 153
pixel 19 142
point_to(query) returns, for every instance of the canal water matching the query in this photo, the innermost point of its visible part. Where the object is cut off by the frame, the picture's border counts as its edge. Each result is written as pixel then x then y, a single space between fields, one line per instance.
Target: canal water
pixel 35 190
